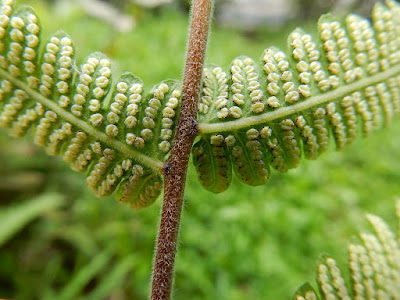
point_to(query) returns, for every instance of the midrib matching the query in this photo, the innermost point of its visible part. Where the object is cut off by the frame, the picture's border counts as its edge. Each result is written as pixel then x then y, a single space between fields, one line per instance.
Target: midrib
pixel 98 135
pixel 205 128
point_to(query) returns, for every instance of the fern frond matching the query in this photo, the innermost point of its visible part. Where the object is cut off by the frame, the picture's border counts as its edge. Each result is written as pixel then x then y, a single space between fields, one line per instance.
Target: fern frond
pixel 111 129
pixel 374 268
pixel 257 116
pixel 267 114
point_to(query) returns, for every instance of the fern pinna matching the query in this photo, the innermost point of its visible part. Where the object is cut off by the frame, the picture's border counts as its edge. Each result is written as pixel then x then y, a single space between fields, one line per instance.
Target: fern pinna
pixel 257 116
pixel 374 268
pixel 114 131
pixel 263 115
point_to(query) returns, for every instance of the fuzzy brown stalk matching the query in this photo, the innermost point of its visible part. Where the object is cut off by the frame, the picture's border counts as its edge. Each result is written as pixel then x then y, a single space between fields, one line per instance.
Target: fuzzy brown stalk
pixel 175 168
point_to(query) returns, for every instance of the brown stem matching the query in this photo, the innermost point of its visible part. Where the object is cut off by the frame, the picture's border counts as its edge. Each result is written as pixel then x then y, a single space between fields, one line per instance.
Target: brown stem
pixel 175 168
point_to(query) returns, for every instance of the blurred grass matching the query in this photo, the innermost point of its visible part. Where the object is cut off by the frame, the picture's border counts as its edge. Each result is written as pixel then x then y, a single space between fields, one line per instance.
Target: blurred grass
pixel 247 243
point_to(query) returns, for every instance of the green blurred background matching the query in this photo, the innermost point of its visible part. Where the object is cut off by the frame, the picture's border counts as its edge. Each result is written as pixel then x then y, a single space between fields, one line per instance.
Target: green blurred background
pixel 58 241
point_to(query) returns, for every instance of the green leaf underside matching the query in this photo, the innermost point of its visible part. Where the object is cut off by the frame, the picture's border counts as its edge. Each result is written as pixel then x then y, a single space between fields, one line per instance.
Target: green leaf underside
pixel 267 114
pixel 374 268
pixel 256 117
pixel 113 131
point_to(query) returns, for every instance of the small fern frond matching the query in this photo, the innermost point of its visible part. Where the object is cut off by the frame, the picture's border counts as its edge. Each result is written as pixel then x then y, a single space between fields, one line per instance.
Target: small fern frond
pixel 267 114
pixel 374 268
pixel 111 129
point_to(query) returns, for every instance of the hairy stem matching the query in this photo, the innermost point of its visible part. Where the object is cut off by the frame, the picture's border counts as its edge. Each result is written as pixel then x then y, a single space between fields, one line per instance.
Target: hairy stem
pixel 175 168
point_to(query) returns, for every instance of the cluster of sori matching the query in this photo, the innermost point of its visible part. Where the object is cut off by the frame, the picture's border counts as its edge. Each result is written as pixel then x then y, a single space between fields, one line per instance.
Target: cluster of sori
pixel 19 44
pixel 374 268
pixel 306 293
pixel 115 132
pixel 269 114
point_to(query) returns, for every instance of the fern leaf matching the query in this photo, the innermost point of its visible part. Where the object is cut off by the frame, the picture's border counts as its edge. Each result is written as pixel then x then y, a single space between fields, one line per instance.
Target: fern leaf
pixel 374 268
pixel 256 117
pixel 306 292
pixel 330 281
pixel 109 128
pixel 262 115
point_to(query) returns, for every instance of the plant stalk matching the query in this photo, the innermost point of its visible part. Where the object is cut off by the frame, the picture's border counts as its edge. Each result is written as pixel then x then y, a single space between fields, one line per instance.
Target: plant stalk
pixel 175 168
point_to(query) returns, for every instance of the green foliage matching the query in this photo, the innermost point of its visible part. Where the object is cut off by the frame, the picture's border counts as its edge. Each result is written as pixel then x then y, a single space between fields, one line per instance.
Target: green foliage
pixel 256 243
pixel 374 268
pixel 88 249
pixel 111 280
pixel 14 218
pixel 82 278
